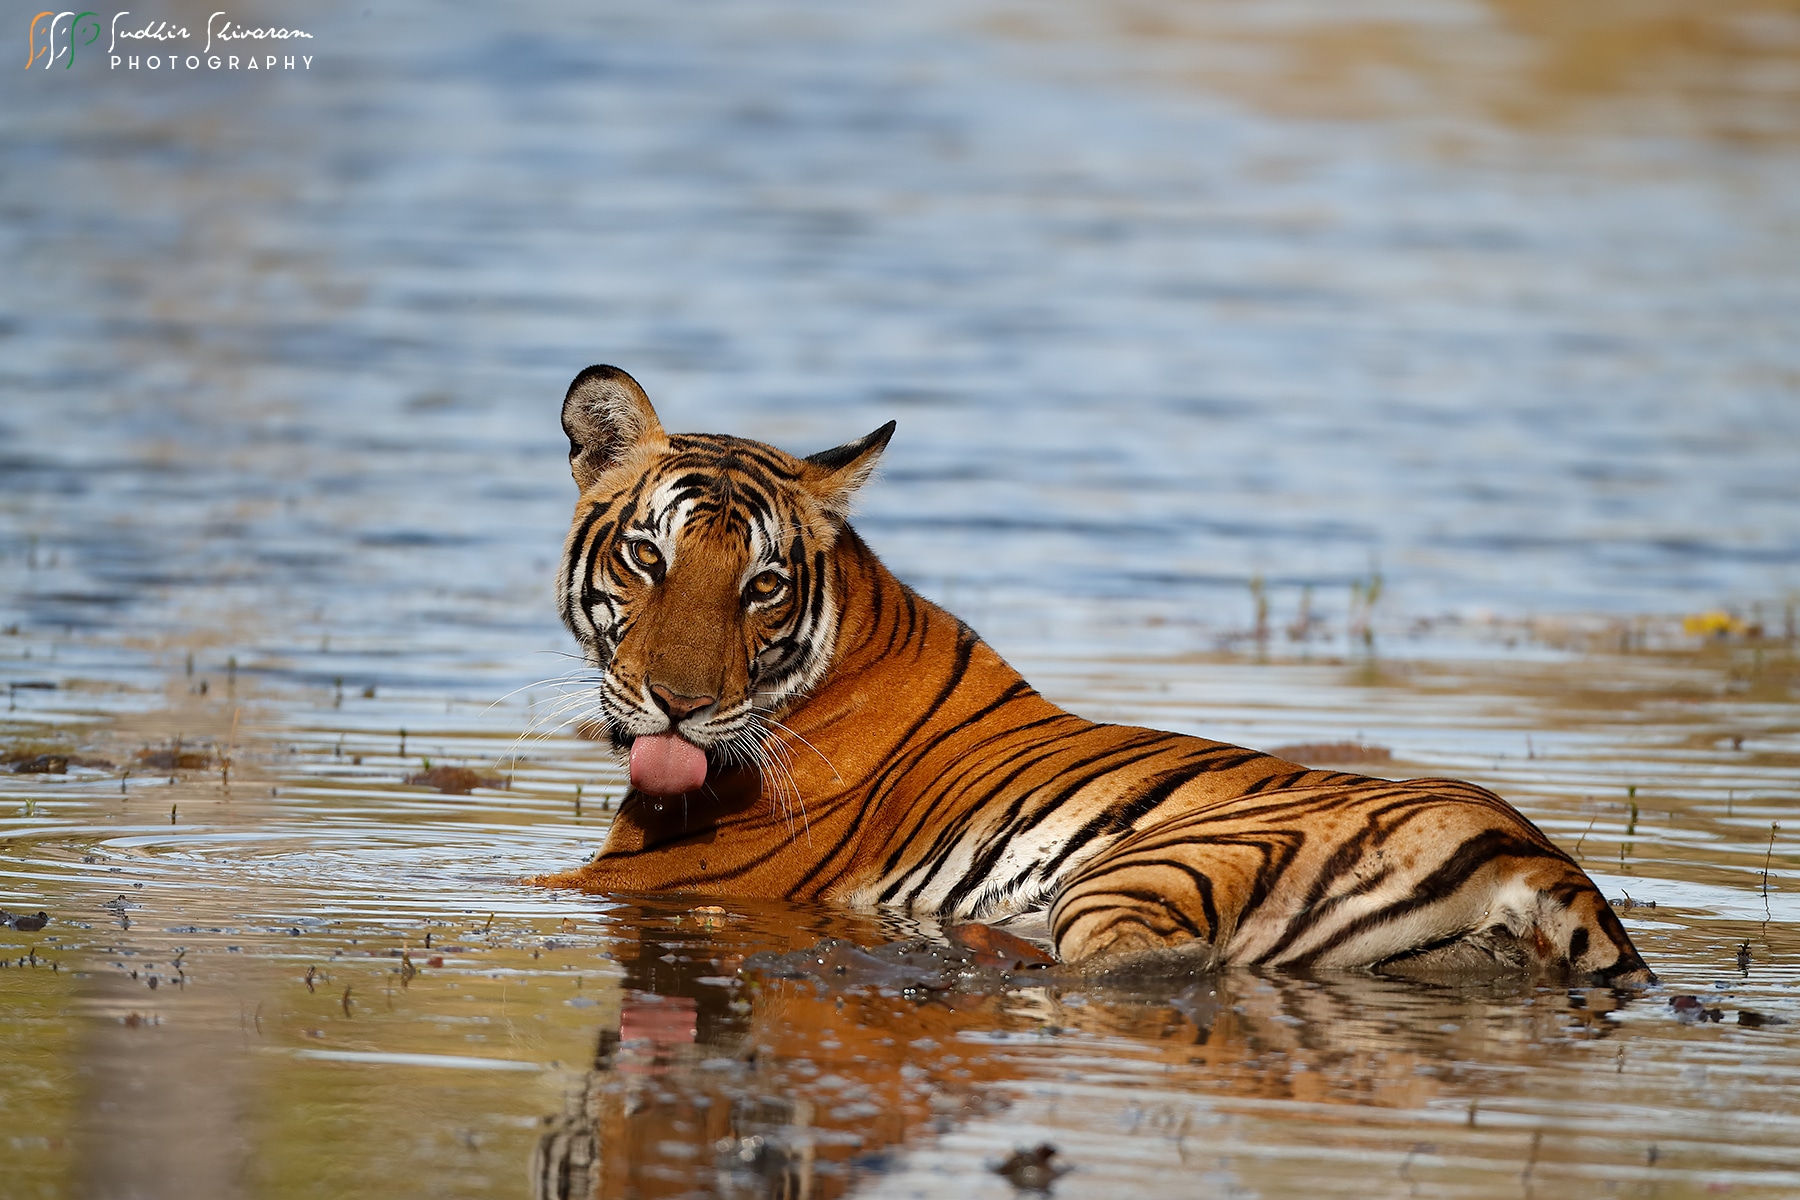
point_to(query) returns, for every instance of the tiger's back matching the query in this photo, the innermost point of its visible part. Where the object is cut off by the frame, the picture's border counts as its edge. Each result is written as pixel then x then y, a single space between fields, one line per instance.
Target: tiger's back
pixel 861 745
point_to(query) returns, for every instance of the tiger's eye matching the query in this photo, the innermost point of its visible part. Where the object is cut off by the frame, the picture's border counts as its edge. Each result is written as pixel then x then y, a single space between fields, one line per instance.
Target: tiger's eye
pixel 767 585
pixel 646 554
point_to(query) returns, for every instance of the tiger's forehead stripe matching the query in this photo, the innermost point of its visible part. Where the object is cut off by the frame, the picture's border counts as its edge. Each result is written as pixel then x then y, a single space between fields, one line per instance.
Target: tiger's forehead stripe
pixel 720 452
pixel 732 487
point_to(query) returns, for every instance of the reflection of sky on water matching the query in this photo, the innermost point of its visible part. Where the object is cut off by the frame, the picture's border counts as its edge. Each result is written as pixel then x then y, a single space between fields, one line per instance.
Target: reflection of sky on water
pixel 282 354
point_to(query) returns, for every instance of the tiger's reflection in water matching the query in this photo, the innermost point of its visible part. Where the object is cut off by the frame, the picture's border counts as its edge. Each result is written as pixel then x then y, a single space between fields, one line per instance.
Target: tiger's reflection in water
pixel 712 1082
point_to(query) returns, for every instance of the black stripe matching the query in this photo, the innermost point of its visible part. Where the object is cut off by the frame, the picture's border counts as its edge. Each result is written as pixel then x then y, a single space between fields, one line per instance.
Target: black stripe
pixel 1442 883
pixel 936 857
pixel 965 649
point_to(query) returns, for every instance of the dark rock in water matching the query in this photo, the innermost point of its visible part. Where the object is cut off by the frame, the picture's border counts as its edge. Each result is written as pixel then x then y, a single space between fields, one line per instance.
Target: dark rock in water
pixel 1757 1020
pixel 1690 1010
pixel 1031 1170
pixel 24 923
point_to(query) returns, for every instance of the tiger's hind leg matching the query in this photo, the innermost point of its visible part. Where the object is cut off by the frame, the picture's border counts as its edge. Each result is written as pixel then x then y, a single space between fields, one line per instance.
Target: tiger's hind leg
pixel 1430 875
pixel 1166 895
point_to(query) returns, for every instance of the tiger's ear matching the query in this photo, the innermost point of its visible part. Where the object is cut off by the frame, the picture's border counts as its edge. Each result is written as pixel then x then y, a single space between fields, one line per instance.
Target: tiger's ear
pixel 834 475
pixel 606 415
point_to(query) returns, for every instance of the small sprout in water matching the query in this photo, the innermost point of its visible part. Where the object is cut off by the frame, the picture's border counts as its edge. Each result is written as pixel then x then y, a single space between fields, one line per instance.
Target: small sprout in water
pixel 407 970
pixel 346 1000
pixel 1743 958
pixel 1583 837
pixel 312 973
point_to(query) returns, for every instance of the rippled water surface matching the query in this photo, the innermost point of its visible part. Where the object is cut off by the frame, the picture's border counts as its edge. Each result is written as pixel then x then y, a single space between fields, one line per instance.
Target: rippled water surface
pixel 1400 379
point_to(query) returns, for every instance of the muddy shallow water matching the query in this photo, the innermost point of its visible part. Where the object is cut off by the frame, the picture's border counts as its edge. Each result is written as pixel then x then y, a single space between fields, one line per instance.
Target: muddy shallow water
pixel 1429 384
pixel 313 974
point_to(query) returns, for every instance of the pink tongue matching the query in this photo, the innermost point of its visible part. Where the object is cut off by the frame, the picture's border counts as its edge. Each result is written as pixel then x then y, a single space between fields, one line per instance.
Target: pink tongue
pixel 664 764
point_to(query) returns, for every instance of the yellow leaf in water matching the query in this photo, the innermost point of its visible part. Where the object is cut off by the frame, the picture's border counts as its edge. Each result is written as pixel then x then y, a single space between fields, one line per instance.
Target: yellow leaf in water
pixel 1712 624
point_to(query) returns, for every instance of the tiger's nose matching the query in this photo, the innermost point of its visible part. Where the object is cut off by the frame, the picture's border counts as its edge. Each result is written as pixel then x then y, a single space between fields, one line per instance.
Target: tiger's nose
pixel 678 706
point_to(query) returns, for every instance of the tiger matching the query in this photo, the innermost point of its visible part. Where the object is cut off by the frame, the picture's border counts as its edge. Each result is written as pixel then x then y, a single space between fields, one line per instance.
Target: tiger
pixel 800 725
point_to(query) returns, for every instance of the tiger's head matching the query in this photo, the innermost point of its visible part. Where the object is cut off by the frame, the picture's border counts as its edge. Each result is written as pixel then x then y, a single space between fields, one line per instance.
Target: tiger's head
pixel 696 578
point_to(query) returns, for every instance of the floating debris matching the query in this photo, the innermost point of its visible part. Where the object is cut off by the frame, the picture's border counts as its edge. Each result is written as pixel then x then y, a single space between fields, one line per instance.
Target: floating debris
pixel 453 781
pixel 176 758
pixel 1691 1010
pixel 1031 1170
pixel 1336 753
pixel 38 756
pixel 1717 624
pixel 1752 1019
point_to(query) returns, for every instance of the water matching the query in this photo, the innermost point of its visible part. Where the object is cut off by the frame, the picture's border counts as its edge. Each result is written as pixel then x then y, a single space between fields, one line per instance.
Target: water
pixel 1176 307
